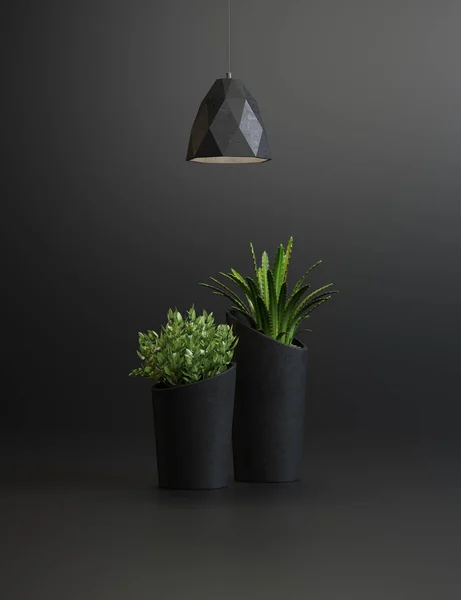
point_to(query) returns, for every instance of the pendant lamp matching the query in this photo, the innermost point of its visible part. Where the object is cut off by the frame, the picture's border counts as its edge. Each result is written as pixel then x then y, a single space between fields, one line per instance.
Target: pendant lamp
pixel 228 127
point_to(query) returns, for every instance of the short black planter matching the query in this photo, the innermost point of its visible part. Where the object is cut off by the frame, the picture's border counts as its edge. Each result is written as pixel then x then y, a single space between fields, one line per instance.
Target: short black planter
pixel 193 432
pixel 269 407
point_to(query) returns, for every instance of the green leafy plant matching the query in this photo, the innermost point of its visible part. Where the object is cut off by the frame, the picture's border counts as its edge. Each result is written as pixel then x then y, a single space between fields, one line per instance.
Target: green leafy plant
pixel 187 349
pixel 266 304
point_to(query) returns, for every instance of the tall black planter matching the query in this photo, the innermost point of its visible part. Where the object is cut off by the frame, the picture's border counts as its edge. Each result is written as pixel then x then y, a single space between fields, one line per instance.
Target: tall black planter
pixel 269 406
pixel 193 432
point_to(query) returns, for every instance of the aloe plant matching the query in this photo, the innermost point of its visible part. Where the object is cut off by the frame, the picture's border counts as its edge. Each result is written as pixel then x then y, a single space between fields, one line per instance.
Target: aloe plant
pixel 267 304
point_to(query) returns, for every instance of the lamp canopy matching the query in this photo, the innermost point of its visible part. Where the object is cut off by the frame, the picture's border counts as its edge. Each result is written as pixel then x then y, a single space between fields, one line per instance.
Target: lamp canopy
pixel 228 127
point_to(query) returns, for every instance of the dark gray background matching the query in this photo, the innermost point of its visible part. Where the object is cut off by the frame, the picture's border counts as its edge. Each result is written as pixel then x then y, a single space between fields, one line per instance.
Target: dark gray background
pixel 104 226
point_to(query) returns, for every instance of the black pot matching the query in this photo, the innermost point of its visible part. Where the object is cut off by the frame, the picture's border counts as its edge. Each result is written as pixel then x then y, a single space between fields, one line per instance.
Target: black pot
pixel 193 432
pixel 269 410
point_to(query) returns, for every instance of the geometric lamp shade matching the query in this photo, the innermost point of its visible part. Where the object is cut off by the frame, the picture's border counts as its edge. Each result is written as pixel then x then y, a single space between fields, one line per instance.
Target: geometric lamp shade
pixel 228 127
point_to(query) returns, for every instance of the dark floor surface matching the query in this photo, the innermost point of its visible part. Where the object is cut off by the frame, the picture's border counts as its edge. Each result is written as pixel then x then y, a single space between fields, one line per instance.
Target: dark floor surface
pixel 82 519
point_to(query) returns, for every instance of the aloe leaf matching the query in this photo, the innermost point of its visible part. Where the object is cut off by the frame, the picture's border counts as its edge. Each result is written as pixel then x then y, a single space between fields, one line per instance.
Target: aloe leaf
pixel 237 275
pixel 258 270
pixel 237 280
pixel 309 308
pixel 292 330
pixel 298 287
pixel 291 305
pixel 273 304
pixel 312 268
pixel 254 296
pixel 265 317
pixel 305 305
pixel 282 299
pixel 318 290
pixel 255 264
pixel 260 281
pixel 245 313
pixel 236 299
pixel 264 269
pixel 216 290
pixel 243 286
pixel 286 260
pixel 278 268
pixel 291 333
pixel 315 294
pixel 253 292
pixel 301 280
pixel 315 304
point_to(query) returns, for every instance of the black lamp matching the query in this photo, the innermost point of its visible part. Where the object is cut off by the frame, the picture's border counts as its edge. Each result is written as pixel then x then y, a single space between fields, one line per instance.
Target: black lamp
pixel 228 127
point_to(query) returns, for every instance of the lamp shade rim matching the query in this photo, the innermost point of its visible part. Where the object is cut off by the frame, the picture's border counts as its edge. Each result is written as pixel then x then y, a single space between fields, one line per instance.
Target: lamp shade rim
pixel 229 160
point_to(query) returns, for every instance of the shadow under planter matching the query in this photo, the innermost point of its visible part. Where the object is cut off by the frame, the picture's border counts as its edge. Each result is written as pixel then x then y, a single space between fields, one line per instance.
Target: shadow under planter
pixel 193 432
pixel 269 410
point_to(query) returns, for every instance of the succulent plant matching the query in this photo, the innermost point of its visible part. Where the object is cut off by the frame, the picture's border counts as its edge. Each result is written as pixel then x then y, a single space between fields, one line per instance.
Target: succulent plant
pixel 187 349
pixel 266 302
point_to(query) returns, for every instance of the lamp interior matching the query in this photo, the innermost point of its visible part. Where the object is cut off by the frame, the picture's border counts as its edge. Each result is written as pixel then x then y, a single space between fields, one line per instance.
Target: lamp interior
pixel 228 159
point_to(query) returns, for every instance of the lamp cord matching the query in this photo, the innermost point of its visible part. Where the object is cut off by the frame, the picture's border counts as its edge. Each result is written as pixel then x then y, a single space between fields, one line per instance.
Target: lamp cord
pixel 229 39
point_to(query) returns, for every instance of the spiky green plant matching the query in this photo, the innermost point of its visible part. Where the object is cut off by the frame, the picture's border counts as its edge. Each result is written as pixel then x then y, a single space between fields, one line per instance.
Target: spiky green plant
pixel 188 349
pixel 266 304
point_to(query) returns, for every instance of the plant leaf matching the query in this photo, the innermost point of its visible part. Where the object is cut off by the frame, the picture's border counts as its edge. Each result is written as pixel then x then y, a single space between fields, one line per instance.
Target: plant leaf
pixel 265 316
pixel 281 300
pixel 278 268
pixel 301 280
pixel 246 314
pixel 236 298
pixel 237 275
pixel 273 304
pixel 253 295
pixel 256 269
pixel 290 307
pixel 237 280
pixel 286 260
pixel 310 307
pixel 314 295
pixel 264 269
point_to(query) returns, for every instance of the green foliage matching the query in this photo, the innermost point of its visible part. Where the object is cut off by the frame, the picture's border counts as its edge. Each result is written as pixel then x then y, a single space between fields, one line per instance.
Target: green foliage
pixel 266 303
pixel 188 349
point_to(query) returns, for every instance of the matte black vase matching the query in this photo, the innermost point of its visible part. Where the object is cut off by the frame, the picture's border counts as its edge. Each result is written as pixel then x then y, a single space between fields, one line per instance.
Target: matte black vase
pixel 269 407
pixel 193 432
